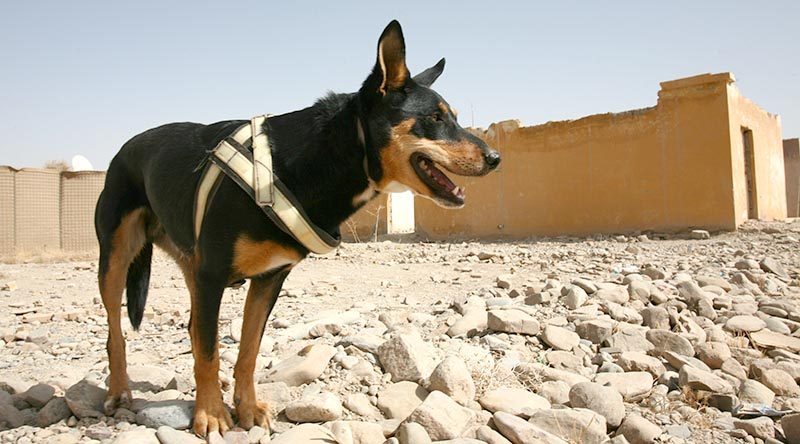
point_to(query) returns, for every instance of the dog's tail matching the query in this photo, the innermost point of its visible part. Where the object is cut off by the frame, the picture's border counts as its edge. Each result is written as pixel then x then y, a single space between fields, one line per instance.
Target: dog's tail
pixel 137 283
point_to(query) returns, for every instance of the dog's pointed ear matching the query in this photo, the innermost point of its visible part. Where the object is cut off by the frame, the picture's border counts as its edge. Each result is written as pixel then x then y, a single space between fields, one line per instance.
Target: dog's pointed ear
pixel 427 77
pixel 390 72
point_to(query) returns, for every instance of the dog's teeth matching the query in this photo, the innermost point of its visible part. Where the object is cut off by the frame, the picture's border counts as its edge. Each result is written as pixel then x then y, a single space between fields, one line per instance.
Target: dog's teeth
pixel 456 190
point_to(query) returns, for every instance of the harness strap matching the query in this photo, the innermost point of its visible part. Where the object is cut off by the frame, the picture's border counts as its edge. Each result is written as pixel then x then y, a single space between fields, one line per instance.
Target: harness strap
pixel 252 171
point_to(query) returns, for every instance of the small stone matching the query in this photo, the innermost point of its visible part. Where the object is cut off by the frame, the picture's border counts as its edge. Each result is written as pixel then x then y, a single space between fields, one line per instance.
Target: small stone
pixel 489 436
pixel 638 361
pixel 713 354
pixel 697 379
pixel 770 265
pixel 560 338
pixel 315 408
pixel 519 431
pixel 517 401
pixel 38 395
pixel 744 324
pixel 595 330
pixel 304 367
pixel 10 417
pixel 398 400
pixel 168 435
pixel 629 340
pixel 359 404
pixel 575 297
pixel 557 392
pixel 638 430
pixel 761 427
pixel 605 401
pixel 629 385
pixel 442 417
pixel 412 433
pixel 513 321
pixel 617 294
pixel 655 317
pixel 791 427
pixel 137 436
pixel 453 378
pixel 407 357
pixel 780 382
pixel 573 425
pixel 752 391
pixel 174 413
pixel 699 235
pixel 305 434
pixel 54 411
pixel 665 340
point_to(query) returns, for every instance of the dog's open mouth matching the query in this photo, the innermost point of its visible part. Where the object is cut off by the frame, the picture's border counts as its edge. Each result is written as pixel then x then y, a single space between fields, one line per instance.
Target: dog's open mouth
pixel 436 180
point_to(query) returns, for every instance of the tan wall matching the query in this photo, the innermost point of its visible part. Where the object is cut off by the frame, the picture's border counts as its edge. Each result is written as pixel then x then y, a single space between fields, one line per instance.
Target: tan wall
pixel 361 227
pixel 79 193
pixel 6 209
pixel 661 168
pixel 37 210
pixel 768 156
pixel 791 168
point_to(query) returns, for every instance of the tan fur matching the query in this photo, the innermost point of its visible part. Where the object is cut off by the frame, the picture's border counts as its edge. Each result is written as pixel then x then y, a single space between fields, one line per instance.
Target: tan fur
pixel 253 258
pixel 128 240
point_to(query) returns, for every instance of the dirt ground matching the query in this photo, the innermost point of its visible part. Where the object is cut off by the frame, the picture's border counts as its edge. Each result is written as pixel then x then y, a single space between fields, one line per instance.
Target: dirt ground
pixel 53 327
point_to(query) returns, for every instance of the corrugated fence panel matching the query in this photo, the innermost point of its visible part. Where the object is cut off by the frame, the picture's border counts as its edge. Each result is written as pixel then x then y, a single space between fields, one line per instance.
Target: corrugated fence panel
pixel 6 211
pixel 79 193
pixel 37 196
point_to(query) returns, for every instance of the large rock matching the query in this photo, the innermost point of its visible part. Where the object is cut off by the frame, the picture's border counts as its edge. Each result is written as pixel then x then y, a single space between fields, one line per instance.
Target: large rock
pixel 174 413
pixel 55 410
pixel 453 378
pixel 517 401
pixel 442 417
pixel 573 425
pixel 513 321
pixel 616 293
pixel 365 432
pixel 306 434
pixel 38 395
pixel 136 436
pixel 665 340
pixel 407 357
pixel 629 384
pixel 150 378
pixel 603 400
pixel 303 367
pixel 398 400
pixel 315 408
pixel 762 427
pixel 359 404
pixel 10 417
pixel 560 338
pixel 474 321
pixel 575 297
pixel 697 379
pixel 770 265
pixel 638 430
pixel 168 435
pixel 85 399
pixel 519 431
pixel 630 339
pixel 655 318
pixel 490 436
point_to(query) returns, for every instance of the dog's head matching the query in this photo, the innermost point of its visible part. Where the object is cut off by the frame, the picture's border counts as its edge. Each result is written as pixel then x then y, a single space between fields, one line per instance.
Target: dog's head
pixel 412 132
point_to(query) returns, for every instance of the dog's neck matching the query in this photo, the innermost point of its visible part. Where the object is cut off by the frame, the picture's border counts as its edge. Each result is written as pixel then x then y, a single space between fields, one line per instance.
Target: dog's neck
pixel 319 154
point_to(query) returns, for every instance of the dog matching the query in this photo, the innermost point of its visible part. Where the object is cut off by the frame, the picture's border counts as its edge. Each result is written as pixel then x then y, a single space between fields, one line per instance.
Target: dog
pixel 393 135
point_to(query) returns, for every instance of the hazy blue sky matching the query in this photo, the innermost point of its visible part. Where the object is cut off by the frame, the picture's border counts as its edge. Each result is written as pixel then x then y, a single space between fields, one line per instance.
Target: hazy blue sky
pixel 84 76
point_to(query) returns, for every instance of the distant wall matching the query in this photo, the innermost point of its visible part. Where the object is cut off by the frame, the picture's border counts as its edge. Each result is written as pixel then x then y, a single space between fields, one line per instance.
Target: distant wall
pixel 665 168
pixel 368 222
pixel 791 159
pixel 44 210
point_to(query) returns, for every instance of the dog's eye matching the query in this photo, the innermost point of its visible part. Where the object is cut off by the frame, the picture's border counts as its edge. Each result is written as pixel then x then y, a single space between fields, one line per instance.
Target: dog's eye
pixel 437 117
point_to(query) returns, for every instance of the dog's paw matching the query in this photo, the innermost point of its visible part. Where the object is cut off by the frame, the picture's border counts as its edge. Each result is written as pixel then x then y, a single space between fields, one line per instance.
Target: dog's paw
pixel 253 414
pixel 117 400
pixel 211 417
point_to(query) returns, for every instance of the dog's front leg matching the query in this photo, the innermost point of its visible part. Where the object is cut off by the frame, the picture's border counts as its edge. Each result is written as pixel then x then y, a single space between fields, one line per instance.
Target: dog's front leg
pixel 260 300
pixel 210 413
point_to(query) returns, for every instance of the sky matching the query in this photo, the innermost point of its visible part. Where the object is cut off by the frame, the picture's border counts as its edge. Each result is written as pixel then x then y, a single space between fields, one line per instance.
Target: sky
pixel 82 77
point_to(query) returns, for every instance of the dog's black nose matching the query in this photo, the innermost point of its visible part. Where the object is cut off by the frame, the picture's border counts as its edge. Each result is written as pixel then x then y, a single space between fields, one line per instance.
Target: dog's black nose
pixel 493 159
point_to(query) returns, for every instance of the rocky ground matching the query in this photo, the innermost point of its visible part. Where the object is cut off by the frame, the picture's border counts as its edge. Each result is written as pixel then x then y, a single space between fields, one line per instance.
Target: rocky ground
pixel 638 339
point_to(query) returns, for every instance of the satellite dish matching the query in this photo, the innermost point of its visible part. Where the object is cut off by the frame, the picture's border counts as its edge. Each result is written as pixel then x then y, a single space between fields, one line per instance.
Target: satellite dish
pixel 80 163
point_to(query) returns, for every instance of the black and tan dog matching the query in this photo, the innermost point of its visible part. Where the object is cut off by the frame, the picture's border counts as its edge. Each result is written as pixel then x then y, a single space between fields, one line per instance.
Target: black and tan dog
pixel 392 135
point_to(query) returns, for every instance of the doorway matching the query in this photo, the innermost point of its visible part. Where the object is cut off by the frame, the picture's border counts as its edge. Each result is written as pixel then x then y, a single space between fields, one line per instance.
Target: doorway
pixel 401 213
pixel 750 173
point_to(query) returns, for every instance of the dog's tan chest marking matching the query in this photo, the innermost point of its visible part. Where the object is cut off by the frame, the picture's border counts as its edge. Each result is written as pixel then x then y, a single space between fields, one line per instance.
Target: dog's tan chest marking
pixel 252 258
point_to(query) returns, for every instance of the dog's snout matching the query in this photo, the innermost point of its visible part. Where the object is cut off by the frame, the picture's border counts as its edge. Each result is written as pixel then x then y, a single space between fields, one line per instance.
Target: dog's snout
pixel 492 159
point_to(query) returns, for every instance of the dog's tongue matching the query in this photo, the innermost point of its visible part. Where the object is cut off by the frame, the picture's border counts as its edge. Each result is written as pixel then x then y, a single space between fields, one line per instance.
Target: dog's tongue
pixel 441 178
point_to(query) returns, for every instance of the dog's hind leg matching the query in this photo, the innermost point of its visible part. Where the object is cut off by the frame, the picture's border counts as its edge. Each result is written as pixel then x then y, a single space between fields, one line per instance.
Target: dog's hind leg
pixel 261 299
pixel 119 246
pixel 206 286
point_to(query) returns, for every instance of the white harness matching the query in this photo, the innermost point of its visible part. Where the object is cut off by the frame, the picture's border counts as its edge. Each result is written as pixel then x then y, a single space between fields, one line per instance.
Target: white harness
pixel 252 171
